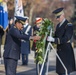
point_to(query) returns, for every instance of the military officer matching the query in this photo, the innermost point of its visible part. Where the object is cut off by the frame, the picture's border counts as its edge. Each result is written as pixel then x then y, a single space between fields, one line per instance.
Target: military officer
pixel 36 29
pixel 63 35
pixel 13 44
pixel 25 44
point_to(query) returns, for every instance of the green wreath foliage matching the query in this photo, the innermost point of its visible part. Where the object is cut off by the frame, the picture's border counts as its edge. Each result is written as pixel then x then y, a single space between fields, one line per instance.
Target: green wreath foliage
pixel 45 28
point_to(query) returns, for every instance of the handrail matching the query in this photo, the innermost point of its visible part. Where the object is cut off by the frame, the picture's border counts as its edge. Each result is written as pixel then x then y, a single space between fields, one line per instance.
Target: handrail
pixel 49 44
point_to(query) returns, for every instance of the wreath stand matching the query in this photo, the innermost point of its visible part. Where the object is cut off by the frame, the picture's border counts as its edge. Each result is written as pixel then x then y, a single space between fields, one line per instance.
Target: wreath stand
pixel 47 54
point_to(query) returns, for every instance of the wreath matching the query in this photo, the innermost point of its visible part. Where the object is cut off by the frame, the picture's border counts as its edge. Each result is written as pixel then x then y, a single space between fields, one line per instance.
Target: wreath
pixel 44 31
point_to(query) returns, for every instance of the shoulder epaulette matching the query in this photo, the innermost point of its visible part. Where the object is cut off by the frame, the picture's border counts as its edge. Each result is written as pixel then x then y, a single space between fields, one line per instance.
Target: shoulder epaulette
pixel 69 24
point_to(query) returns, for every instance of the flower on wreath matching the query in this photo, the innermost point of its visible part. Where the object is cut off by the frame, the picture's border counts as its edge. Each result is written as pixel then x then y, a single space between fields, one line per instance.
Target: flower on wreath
pixel 45 28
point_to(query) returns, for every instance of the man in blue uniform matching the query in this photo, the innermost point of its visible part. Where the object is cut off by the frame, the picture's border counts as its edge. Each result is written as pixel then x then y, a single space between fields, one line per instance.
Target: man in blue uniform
pixel 25 44
pixel 13 44
pixel 63 35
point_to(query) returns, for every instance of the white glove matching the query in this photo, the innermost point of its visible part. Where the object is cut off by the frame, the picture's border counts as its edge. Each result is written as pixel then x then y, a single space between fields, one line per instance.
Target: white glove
pixel 50 39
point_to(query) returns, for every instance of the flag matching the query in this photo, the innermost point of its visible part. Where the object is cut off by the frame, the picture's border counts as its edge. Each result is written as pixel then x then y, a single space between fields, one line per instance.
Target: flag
pixel 3 15
pixel 18 8
pixel 1 1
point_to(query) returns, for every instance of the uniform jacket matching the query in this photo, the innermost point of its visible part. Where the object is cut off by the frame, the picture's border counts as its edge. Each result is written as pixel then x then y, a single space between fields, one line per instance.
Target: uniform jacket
pixel 63 35
pixel 25 44
pixel 13 43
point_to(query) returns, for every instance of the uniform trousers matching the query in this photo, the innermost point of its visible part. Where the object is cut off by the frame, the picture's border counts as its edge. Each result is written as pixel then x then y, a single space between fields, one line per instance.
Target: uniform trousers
pixel 10 66
pixel 24 59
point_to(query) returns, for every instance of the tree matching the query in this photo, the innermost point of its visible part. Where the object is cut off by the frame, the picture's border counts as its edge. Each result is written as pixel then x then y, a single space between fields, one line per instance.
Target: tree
pixel 73 20
pixel 42 8
pixel 10 5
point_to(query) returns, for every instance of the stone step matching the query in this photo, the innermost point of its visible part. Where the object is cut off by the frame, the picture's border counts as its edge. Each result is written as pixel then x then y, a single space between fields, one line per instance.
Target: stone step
pixel 52 73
